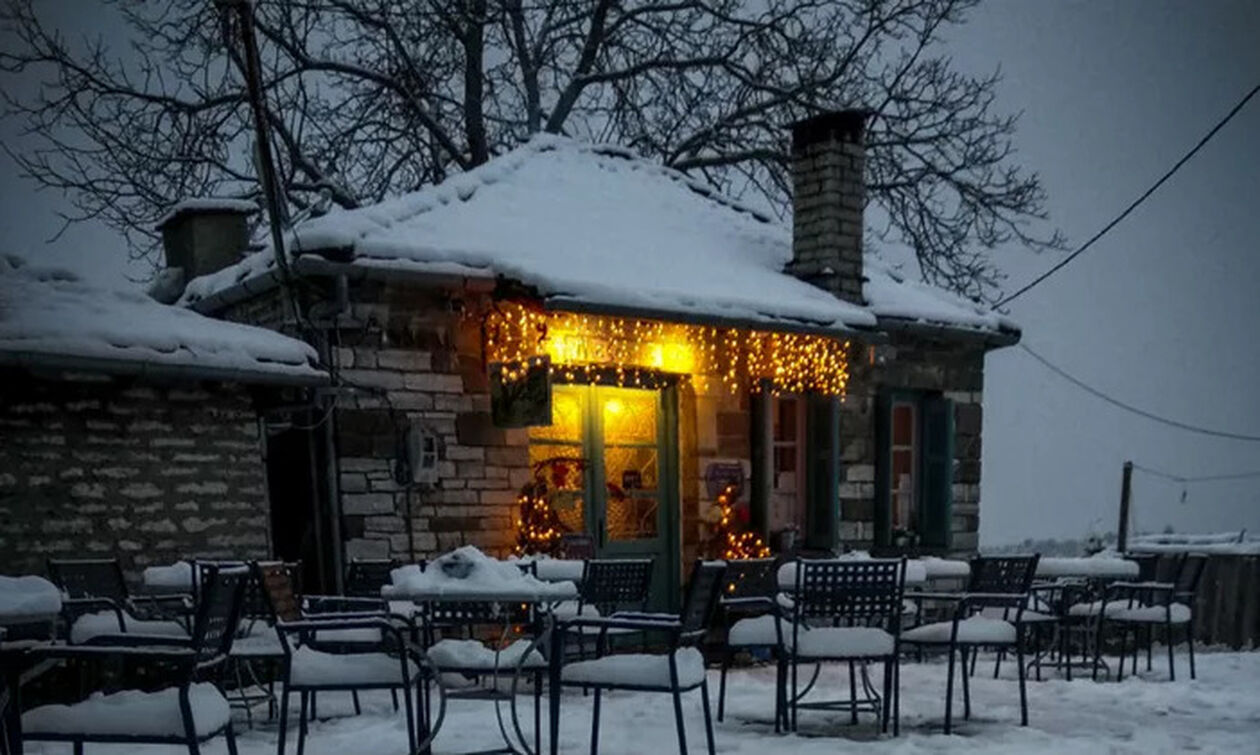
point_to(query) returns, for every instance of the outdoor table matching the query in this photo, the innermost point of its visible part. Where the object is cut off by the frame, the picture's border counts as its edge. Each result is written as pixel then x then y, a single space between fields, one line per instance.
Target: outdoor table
pixel 1094 568
pixel 555 569
pixel 539 595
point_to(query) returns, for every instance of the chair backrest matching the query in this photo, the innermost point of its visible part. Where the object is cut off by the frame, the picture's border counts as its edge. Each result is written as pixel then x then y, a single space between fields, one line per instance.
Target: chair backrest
pixel 222 590
pixel 577 546
pixel 366 577
pixel 850 591
pixel 277 585
pixel 89 578
pixel 614 584
pixel 1148 565
pixel 751 578
pixel 704 590
pixel 1002 575
pixel 1189 573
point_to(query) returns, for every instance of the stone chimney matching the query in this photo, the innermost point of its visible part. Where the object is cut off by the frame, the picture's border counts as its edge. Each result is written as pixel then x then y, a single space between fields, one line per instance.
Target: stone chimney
pixel 205 235
pixel 828 196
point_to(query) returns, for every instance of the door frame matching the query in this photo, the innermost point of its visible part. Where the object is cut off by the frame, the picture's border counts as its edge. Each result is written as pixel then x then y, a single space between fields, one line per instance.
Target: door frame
pixel 668 484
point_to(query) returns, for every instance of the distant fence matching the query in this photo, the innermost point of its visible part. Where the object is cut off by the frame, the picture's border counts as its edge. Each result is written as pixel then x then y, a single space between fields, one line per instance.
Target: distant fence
pixel 1227 611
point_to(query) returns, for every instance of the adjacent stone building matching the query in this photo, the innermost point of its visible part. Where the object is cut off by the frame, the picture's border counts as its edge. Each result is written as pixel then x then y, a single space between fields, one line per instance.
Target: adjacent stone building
pixel 132 429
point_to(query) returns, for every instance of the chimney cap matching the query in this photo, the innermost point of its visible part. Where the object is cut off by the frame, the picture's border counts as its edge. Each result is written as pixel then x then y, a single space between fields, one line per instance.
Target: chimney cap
pixel 206 206
pixel 848 125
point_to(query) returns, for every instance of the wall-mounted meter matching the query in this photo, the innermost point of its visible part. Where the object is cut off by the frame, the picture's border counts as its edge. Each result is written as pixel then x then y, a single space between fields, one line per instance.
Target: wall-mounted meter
pixel 422 452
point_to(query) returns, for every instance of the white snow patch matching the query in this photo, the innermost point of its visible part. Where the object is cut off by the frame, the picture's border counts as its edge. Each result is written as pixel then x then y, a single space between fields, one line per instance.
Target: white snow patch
pixel 467 572
pixel 207 204
pixel 554 569
pixel 132 712
pixel 173 577
pixel 51 313
pixel 102 623
pixel 28 596
pixel 1094 566
pixel 638 669
pixel 974 629
pixel 596 225
pixel 473 655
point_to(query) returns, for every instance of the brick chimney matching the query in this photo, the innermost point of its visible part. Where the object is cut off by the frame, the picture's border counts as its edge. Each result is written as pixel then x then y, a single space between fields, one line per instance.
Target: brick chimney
pixel 205 235
pixel 828 197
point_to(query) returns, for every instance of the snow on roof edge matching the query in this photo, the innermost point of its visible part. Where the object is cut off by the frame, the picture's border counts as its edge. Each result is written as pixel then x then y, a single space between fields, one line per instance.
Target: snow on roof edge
pixel 206 204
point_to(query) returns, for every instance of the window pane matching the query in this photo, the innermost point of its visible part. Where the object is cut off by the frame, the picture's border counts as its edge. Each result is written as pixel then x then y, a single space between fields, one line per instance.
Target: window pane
pixel 785 419
pixel 902 425
pixel 566 483
pixel 629 415
pixel 566 416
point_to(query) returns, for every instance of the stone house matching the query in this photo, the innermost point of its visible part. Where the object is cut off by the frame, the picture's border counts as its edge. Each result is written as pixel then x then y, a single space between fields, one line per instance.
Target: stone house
pixel 573 307
pixel 132 428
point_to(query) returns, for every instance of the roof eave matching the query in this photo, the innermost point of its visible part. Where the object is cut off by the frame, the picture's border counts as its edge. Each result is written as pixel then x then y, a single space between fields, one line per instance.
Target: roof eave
pixel 139 368
pixel 984 337
pixel 562 304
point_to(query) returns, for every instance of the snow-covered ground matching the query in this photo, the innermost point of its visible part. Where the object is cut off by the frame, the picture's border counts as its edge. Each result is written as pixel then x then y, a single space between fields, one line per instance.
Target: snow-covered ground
pixel 1218 713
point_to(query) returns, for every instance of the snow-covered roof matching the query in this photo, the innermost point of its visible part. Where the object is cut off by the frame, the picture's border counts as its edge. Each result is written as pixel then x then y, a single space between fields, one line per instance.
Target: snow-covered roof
pixel 49 317
pixel 206 204
pixel 594 226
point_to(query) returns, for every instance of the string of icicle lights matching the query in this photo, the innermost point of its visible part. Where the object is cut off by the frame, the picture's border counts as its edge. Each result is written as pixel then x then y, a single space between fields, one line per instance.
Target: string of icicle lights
pixel 635 353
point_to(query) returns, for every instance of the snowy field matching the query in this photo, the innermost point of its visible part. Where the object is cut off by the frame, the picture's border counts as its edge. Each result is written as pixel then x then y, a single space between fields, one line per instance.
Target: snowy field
pixel 1219 713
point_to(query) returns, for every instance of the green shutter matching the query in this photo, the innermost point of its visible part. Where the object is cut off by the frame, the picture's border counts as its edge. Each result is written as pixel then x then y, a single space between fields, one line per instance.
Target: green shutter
pixel 822 475
pixel 883 463
pixel 936 499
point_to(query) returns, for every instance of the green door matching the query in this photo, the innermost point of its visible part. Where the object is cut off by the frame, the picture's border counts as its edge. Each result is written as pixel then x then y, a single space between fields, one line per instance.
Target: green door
pixel 627 495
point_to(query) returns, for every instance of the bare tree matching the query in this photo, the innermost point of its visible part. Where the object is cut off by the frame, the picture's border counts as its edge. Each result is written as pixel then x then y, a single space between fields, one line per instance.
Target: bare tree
pixel 369 98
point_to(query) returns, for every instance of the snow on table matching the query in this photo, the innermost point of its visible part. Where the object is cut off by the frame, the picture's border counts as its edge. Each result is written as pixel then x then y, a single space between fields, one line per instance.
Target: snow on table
pixel 468 574
pixel 1093 567
pixel 554 569
pixel 28 598
pixel 176 577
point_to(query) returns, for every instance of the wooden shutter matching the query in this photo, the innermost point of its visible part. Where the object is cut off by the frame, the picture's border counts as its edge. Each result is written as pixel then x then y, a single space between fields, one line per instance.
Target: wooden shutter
pixel 936 498
pixel 822 473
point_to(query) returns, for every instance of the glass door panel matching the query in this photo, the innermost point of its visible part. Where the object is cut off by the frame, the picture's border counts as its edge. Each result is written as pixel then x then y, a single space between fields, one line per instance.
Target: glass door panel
pixel 563 439
pixel 630 422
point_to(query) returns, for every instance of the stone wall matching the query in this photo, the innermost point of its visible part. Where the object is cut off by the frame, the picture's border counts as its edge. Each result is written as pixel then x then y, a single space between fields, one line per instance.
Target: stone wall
pixel 910 363
pixel 95 467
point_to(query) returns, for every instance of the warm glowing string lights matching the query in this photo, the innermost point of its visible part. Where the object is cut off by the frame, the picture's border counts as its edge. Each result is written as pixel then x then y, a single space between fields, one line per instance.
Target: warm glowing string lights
pixel 634 353
pixel 734 545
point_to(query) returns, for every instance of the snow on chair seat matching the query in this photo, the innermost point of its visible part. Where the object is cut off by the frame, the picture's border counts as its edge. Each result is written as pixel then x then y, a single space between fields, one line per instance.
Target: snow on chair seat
pixel 101 623
pixel 975 630
pixel 1009 614
pixel 1096 607
pixel 312 668
pixel 638 670
pixel 361 636
pixel 1177 613
pixel 132 713
pixel 758 631
pixel 472 655
pixel 842 642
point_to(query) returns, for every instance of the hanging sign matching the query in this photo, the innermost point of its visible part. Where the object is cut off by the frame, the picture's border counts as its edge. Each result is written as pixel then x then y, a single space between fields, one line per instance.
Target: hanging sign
pixel 523 400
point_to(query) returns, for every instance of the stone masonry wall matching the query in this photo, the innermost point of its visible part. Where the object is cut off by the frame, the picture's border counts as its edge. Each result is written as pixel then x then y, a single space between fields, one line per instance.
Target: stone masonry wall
pixel 913 364
pixel 421 359
pixel 99 467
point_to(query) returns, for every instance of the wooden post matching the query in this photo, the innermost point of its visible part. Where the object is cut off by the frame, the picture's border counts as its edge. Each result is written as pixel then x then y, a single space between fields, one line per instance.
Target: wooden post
pixel 1122 533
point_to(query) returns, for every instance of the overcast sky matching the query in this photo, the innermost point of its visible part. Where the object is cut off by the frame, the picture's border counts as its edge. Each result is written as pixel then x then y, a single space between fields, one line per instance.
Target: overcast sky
pixel 1162 313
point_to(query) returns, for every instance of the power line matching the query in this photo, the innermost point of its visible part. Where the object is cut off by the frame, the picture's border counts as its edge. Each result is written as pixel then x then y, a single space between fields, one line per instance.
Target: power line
pixel 1201 478
pixel 1130 408
pixel 1116 221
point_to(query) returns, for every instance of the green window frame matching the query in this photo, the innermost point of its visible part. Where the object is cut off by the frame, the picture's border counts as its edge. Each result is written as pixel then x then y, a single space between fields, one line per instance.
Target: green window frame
pixel 933 451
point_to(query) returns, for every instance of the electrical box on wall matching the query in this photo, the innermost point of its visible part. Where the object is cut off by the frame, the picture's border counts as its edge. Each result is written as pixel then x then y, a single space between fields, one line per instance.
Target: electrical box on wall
pixel 422 451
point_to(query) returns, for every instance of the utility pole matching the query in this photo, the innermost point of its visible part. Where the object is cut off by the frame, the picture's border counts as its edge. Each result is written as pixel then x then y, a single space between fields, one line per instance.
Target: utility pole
pixel 1122 533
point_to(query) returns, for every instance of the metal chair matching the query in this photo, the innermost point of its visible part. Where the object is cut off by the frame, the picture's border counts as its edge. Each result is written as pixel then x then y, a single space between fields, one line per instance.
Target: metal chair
pixel 99 602
pixel 679 669
pixel 847 610
pixel 609 586
pixel 141 717
pixel 996 583
pixel 337 648
pixel 1143 606
pixel 752 616
pixel 366 577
